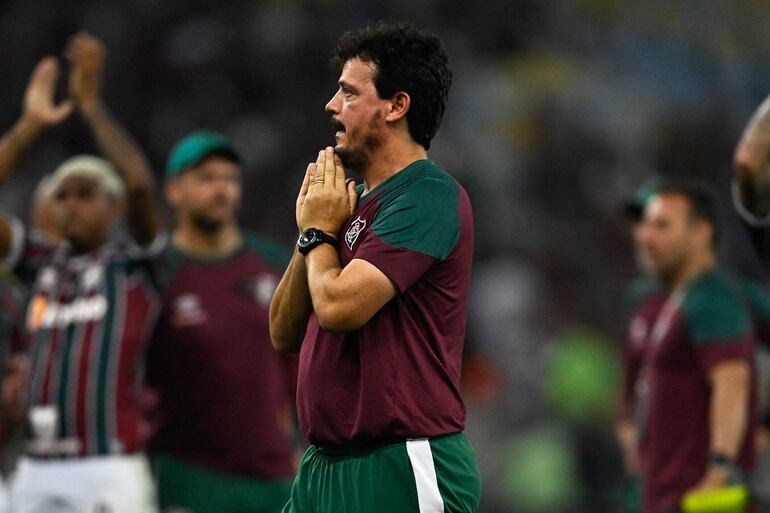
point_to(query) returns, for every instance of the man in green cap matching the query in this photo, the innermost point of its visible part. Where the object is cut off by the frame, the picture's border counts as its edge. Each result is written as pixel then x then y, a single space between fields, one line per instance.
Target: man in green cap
pixel 225 396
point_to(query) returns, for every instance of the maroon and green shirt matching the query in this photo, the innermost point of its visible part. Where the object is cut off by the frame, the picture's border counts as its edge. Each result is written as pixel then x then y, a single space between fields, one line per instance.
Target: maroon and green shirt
pixel 646 296
pixel 398 376
pixel 88 322
pixel 225 394
pixel 643 300
pixel 683 338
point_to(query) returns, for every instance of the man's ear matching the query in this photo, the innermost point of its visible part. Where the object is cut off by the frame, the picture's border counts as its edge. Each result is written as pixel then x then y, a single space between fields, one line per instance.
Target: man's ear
pixel 705 232
pixel 399 106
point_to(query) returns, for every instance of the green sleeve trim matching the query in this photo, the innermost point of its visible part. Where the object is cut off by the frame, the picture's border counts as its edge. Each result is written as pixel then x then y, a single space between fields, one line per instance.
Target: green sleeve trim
pixel 715 312
pixel 422 215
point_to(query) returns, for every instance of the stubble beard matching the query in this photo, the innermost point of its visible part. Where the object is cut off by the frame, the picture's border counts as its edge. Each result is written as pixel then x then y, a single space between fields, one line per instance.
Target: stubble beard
pixel 207 225
pixel 359 159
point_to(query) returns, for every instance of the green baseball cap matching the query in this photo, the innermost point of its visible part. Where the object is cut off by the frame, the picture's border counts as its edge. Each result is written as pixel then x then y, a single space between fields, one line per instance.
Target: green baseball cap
pixel 192 149
pixel 634 207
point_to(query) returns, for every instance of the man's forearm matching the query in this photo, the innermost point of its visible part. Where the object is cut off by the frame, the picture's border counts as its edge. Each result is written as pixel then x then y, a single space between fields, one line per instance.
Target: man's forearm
pixel 117 145
pixel 290 307
pixel 13 144
pixel 729 407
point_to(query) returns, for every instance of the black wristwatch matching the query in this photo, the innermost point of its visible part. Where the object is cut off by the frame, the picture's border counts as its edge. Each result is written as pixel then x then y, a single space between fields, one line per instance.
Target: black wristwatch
pixel 720 459
pixel 313 237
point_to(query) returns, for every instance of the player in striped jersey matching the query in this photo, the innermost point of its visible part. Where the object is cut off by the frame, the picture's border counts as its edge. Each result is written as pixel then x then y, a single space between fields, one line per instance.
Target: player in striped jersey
pixel 92 305
pixel 226 395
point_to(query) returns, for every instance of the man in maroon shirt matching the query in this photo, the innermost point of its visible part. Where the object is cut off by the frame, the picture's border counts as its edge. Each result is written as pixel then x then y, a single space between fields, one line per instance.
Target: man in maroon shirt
pixel 224 417
pixel 694 405
pixel 375 295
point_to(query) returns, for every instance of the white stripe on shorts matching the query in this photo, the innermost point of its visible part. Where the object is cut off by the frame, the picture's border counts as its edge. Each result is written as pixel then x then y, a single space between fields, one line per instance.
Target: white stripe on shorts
pixel 421 458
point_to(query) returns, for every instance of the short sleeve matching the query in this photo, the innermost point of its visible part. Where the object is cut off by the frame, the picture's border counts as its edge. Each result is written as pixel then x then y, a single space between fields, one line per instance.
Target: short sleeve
pixel 718 322
pixel 413 229
pixel 757 297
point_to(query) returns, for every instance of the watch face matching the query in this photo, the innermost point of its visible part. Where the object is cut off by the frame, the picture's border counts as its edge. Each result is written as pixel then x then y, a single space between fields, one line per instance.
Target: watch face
pixel 307 237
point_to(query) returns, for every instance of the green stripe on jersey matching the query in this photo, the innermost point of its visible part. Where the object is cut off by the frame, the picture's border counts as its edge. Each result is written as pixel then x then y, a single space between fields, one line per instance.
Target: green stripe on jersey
pixel 64 375
pixel 102 446
pixel 419 210
pixel 714 310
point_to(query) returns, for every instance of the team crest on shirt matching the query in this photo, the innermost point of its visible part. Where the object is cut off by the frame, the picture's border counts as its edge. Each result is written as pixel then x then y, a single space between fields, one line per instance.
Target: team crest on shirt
pixel 260 287
pixel 91 277
pixel 187 311
pixel 356 227
pixel 47 278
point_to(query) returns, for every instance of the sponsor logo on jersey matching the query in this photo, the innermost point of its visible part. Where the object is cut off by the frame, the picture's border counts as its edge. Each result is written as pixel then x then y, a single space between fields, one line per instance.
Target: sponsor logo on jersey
pixel 187 311
pixel 50 314
pixel 356 227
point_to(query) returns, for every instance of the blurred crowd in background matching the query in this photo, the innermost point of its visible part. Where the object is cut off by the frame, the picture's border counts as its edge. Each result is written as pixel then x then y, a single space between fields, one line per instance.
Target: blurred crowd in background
pixel 559 111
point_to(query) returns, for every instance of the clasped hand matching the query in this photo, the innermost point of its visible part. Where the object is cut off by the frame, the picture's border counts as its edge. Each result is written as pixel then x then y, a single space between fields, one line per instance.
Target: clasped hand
pixel 326 200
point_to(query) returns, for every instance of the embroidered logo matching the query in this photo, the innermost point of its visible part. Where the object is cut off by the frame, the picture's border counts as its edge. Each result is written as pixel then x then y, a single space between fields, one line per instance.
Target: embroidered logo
pixel 187 311
pixel 91 277
pixel 47 278
pixel 354 231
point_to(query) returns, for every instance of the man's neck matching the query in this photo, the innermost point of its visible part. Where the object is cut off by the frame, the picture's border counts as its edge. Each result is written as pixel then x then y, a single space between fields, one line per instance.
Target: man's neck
pixel 389 160
pixel 699 265
pixel 196 242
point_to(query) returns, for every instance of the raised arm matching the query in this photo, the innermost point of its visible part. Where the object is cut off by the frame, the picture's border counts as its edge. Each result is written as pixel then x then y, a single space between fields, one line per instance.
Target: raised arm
pixel 39 112
pixel 86 55
pixel 751 163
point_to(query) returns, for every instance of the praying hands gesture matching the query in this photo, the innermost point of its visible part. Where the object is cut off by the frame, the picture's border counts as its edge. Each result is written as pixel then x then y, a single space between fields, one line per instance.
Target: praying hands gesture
pixel 326 200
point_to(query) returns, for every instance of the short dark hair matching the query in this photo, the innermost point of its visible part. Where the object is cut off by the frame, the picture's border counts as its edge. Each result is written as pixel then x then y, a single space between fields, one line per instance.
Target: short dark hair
pixel 700 198
pixel 409 60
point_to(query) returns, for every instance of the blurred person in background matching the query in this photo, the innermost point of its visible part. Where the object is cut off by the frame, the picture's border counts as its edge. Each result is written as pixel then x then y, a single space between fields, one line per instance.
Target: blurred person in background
pixel 695 400
pixel 375 295
pixel 751 197
pixel 12 302
pixel 92 304
pixel 647 294
pixel 226 397
pixel 644 294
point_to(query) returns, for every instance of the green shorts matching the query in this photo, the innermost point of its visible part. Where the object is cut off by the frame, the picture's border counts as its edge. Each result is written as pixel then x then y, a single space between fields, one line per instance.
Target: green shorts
pixel 437 475
pixel 192 488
